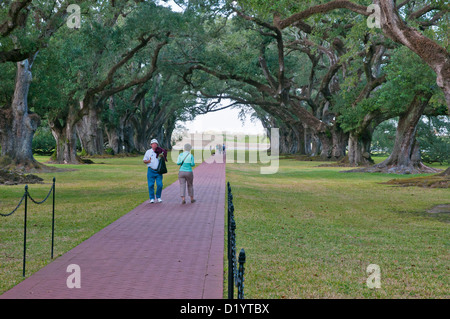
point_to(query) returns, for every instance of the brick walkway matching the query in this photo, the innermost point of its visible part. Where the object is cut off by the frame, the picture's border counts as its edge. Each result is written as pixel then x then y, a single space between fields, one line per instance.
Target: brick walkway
pixel 161 250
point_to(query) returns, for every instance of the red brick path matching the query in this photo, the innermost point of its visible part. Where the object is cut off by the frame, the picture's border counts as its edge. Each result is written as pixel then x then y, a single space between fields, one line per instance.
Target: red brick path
pixel 161 250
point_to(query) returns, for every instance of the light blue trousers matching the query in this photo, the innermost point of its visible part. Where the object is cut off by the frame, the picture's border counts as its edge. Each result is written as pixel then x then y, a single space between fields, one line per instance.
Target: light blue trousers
pixel 153 176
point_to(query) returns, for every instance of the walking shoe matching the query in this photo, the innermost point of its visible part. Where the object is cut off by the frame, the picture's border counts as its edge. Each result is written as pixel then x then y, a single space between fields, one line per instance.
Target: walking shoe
pixel 159 200
pixel 152 201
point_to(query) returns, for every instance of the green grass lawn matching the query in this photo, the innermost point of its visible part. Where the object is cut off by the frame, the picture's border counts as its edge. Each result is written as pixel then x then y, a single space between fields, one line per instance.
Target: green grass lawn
pixel 311 232
pixel 308 231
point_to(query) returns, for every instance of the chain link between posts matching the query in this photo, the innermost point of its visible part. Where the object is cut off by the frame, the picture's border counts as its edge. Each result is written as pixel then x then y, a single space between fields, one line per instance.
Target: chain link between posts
pixel 24 198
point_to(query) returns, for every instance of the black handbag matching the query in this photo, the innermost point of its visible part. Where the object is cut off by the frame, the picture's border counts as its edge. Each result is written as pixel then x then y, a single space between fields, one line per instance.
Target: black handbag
pixel 162 168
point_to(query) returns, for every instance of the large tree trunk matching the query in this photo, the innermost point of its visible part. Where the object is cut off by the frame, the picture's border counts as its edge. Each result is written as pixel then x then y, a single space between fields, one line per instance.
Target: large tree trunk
pixel 360 140
pixel 308 140
pixel 291 139
pixel 359 148
pixel 139 125
pixel 128 138
pixel 90 131
pixel 115 129
pixel 292 135
pixel 333 144
pixel 153 121
pixel 405 157
pixel 312 143
pixel 115 139
pixel 168 131
pixel 340 140
pixel 316 146
pixel 141 141
pixel 446 172
pixel 19 124
pixel 66 140
pixel 159 135
pixel 66 152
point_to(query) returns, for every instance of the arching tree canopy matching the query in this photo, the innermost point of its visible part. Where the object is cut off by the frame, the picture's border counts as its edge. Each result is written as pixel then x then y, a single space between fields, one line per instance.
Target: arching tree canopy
pixel 326 73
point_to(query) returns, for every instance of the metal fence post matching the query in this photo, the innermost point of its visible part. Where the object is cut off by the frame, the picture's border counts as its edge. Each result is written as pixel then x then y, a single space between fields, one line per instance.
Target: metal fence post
pixel 25 197
pixel 232 260
pixel 235 275
pixel 240 280
pixel 51 191
pixel 25 231
pixel 53 218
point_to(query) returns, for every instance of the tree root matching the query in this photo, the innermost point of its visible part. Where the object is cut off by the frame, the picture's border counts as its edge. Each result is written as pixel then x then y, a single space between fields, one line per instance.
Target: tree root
pixel 419 168
pixel 8 177
pixel 433 181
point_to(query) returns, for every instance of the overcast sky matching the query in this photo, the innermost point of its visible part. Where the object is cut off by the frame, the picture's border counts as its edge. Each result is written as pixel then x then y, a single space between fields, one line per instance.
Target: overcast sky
pixel 225 120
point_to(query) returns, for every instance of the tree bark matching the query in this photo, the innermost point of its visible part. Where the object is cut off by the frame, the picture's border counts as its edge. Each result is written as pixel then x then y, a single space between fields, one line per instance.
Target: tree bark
pixel 359 149
pixel 333 143
pixel 445 173
pixel 128 138
pixel 115 129
pixel 19 124
pixel 436 56
pixel 90 131
pixel 316 146
pixel 291 139
pixel 155 119
pixel 308 141
pixel 360 140
pixel 169 126
pixel 66 137
pixel 405 157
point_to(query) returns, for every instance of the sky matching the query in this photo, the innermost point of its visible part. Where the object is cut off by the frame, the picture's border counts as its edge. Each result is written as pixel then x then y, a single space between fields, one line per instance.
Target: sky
pixel 224 120
pixel 171 4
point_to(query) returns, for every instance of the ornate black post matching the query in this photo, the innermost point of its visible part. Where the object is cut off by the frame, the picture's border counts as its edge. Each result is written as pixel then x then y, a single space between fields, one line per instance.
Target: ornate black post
pixel 240 279
pixel 25 231
pixel 53 218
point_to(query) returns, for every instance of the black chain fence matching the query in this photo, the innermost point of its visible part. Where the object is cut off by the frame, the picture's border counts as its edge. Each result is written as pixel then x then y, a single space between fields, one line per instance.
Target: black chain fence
pixel 24 198
pixel 235 274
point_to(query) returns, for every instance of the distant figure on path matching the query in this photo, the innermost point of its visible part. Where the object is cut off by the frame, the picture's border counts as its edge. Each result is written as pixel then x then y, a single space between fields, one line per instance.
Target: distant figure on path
pixel 223 148
pixel 185 175
pixel 152 158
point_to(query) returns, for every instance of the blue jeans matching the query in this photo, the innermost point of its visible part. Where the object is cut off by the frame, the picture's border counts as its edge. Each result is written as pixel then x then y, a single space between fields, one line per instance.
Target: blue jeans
pixel 151 177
